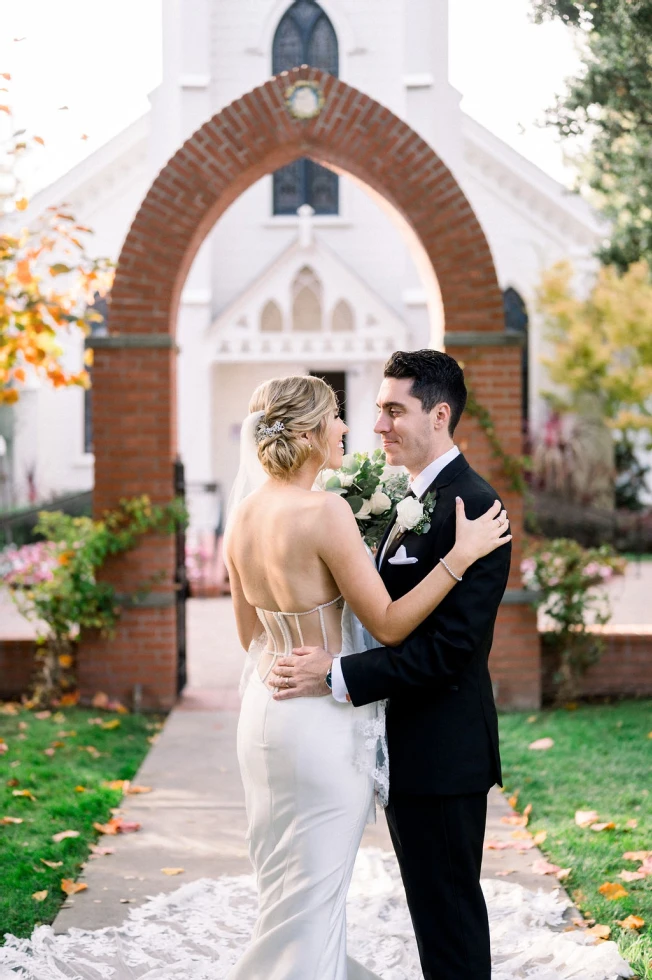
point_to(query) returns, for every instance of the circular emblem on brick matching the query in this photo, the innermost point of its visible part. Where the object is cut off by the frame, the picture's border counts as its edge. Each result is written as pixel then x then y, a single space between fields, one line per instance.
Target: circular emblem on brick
pixel 304 99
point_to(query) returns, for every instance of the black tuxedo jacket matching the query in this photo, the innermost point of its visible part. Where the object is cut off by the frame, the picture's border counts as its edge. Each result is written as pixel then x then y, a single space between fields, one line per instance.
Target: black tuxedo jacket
pixel 442 727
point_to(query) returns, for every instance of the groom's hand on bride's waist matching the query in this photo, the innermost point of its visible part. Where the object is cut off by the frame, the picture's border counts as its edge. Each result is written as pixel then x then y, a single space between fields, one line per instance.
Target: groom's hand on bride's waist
pixel 303 675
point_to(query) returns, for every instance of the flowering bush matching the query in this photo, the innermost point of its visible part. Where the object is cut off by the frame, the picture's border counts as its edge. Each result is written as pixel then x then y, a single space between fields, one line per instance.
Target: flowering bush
pixel 198 561
pixel 54 582
pixel 567 579
pixel 28 565
pixel 370 488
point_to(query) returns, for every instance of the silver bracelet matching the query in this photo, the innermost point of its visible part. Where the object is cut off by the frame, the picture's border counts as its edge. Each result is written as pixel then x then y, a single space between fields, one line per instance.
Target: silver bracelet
pixel 458 578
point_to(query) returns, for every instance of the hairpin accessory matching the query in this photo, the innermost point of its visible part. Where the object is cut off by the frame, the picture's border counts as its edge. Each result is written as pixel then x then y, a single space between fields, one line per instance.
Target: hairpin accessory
pixel 267 431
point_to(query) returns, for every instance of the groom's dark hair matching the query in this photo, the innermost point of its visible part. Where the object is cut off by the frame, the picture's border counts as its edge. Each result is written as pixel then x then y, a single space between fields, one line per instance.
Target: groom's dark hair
pixel 436 377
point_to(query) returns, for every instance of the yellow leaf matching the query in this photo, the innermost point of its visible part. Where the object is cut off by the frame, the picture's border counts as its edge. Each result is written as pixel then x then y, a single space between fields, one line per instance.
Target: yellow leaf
pixel 24 792
pixel 172 871
pixel 89 356
pixel 540 837
pixel 22 204
pixel 109 725
pixel 40 896
pixel 80 789
pixel 65 660
pixel 71 887
pixel 613 891
pixel 632 922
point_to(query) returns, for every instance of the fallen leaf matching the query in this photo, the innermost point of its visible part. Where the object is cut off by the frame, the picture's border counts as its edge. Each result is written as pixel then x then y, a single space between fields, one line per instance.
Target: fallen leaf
pixel 39 139
pixel 95 721
pixel 109 725
pixel 584 818
pixel 540 837
pixel 513 799
pixel 96 849
pixel 543 867
pixel 542 743
pixel 598 827
pixel 80 789
pixel 42 715
pixel 49 752
pixel 563 874
pixel 613 891
pixel 637 855
pixel 632 922
pixel 24 792
pixel 63 834
pixel 11 820
pixel 13 782
pixel 139 789
pixel 117 825
pixel 521 835
pixel 599 931
pixel 51 864
pixel 40 896
pixel 632 875
pixel 71 887
pixel 172 871
pixel 503 874
pixel 632 824
pixel 121 784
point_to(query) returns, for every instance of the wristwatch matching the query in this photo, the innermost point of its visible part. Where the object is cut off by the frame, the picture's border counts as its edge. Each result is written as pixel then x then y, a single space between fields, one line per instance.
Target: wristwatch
pixel 329 680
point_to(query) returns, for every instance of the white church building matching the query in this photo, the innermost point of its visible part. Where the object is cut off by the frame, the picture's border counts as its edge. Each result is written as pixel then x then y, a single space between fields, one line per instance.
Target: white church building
pixel 306 271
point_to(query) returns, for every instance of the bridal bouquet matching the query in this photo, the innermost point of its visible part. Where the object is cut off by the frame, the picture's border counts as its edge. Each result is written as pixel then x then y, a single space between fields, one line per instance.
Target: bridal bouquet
pixel 370 487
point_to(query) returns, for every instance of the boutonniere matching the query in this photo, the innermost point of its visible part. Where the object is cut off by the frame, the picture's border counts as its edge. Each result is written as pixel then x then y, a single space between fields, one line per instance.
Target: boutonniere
pixel 415 515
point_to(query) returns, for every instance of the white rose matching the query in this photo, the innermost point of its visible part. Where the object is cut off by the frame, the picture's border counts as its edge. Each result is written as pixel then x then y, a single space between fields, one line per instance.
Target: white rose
pixel 409 512
pixel 365 511
pixel 349 463
pixel 323 477
pixel 379 502
pixel 345 479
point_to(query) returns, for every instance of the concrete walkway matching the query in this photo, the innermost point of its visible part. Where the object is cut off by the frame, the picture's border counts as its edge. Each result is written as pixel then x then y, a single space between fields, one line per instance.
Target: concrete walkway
pixel 194 817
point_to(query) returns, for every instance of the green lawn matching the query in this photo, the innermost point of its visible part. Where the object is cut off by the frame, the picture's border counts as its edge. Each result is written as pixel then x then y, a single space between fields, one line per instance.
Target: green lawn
pixel 601 760
pixel 58 805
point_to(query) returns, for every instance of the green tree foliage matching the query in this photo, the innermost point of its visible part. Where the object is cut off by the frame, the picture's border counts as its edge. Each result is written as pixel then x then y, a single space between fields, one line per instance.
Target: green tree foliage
pixel 611 102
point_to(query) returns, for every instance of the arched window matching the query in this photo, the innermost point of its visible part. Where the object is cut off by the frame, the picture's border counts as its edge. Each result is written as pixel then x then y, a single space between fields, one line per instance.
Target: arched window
pixel 306 302
pixel 305 36
pixel 517 321
pixel 342 318
pixel 271 319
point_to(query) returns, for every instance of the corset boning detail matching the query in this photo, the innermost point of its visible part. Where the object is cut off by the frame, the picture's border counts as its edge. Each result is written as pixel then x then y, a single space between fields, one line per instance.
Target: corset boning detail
pixel 286 630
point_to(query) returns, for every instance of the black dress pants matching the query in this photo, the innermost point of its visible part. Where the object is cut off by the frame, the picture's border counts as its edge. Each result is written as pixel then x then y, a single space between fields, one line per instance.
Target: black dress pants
pixel 438 842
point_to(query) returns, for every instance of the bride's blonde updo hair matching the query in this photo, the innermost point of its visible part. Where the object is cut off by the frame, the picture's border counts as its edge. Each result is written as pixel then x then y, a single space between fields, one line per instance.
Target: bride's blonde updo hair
pixel 294 405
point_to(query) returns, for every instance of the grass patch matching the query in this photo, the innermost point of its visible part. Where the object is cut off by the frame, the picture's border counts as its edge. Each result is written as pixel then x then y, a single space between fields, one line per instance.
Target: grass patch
pixel 601 760
pixel 58 805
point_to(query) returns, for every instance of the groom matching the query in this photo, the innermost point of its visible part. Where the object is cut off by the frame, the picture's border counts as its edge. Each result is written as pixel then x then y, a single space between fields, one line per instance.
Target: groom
pixel 442 726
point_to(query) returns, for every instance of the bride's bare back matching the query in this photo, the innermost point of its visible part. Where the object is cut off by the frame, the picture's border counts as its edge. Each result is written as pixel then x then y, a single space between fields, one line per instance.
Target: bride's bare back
pixel 273 548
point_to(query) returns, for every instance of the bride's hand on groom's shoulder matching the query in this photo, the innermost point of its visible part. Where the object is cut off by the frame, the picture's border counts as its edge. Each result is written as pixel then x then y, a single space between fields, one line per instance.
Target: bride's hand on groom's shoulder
pixel 303 675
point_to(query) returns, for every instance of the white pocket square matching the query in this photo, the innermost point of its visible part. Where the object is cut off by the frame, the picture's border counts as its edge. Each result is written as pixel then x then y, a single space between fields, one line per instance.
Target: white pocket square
pixel 401 557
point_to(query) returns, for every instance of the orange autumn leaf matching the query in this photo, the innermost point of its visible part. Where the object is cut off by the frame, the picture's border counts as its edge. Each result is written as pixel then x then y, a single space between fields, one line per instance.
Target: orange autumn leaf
pixel 599 931
pixel 23 272
pixel 24 792
pixel 6 75
pixel 599 827
pixel 5 108
pixel 139 789
pixel 71 887
pixel 39 139
pixel 632 922
pixel 40 896
pixel 612 891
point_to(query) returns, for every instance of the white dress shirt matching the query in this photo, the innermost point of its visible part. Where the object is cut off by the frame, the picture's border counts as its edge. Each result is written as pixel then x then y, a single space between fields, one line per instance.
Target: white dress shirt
pixel 418 485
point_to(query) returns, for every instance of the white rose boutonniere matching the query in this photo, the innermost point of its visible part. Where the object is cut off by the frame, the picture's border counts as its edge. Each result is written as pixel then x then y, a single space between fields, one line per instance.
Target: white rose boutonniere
pixel 415 515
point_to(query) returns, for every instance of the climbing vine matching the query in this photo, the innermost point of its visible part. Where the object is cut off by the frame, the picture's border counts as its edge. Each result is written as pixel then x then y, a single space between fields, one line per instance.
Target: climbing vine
pixel 514 466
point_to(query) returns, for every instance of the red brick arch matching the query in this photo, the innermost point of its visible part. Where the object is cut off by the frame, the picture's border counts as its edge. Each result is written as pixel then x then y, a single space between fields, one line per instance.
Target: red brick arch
pixel 134 373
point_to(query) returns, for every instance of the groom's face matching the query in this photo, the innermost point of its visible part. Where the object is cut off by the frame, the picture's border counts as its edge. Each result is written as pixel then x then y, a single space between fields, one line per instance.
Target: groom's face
pixel 410 436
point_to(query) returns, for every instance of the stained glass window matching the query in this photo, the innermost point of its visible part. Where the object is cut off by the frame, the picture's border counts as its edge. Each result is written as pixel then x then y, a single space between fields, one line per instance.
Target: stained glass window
pixel 305 36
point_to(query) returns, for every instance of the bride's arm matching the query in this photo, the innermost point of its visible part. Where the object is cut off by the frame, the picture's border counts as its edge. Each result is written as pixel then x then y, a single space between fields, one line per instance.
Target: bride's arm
pixel 341 548
pixel 246 617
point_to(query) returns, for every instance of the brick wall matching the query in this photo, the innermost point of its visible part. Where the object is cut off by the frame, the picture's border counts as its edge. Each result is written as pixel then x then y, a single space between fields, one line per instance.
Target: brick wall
pixel 16 663
pixel 624 670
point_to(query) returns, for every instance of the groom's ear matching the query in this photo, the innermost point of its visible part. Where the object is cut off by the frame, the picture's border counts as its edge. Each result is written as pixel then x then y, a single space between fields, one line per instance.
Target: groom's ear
pixel 441 416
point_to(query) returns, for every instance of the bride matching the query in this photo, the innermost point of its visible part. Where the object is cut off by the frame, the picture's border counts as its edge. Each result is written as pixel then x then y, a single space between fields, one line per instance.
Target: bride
pixel 300 575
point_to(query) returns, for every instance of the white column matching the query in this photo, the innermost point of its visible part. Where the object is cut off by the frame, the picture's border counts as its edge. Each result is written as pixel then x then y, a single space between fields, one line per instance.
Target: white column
pixel 362 384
